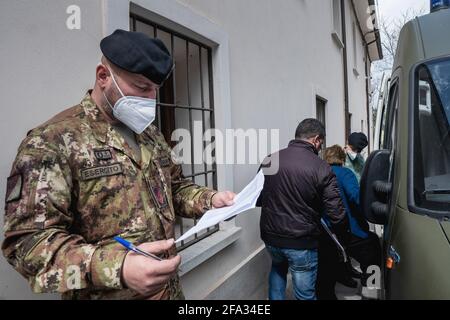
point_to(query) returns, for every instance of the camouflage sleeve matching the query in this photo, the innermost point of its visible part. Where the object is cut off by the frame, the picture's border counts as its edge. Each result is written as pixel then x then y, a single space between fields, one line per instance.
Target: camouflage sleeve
pixel 189 199
pixel 38 243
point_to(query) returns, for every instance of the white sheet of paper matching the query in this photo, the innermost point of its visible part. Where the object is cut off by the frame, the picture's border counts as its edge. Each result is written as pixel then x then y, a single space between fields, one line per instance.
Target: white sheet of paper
pixel 243 201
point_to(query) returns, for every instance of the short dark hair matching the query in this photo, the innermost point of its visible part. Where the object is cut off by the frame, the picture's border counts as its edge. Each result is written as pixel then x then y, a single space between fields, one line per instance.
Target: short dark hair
pixel 357 141
pixel 309 128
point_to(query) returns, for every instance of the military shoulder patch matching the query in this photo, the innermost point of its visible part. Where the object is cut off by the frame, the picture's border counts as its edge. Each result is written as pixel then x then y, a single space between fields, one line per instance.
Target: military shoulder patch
pixel 14 188
pixel 101 171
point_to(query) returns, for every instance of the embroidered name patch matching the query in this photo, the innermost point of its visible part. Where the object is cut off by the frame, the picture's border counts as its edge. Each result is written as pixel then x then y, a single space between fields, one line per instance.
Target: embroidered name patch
pixel 102 171
pixel 14 188
pixel 102 154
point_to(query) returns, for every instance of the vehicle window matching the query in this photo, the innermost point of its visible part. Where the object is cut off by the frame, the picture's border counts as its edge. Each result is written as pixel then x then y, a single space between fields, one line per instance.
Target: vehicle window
pixel 387 132
pixel 431 136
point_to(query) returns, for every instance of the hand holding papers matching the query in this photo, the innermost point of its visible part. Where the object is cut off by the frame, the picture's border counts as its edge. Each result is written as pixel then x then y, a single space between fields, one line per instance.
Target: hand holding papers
pixel 245 200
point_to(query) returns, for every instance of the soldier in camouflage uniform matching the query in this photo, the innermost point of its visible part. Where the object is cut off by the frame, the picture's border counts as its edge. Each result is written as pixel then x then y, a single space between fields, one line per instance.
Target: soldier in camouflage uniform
pixel 76 183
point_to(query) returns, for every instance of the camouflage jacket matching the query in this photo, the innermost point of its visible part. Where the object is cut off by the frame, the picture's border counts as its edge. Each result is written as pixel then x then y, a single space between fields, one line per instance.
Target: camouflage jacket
pixel 74 185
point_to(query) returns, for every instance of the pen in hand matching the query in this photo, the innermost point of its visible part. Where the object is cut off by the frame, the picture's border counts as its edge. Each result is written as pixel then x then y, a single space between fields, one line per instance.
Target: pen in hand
pixel 133 248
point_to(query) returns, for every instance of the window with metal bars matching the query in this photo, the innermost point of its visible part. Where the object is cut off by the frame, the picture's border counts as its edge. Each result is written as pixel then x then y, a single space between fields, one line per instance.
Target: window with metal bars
pixel 185 100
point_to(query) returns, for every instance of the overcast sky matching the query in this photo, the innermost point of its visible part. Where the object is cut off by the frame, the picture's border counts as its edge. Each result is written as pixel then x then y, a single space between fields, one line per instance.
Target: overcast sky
pixel 392 9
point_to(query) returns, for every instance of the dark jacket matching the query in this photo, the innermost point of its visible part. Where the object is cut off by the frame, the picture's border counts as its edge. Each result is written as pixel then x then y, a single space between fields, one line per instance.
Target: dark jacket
pixel 294 198
pixel 349 188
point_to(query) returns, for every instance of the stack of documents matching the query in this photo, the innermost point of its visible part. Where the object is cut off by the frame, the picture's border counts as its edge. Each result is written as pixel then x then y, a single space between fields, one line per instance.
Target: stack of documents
pixel 243 201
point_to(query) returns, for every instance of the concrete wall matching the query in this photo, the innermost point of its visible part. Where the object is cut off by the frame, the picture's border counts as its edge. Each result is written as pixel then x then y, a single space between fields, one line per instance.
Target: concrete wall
pixel 281 55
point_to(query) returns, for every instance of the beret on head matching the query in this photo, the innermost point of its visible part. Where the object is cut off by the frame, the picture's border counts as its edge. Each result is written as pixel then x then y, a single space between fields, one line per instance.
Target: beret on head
pixel 358 140
pixel 137 53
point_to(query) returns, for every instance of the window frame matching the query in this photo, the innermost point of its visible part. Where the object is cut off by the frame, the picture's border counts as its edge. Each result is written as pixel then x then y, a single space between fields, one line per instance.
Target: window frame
pixel 389 115
pixel 337 17
pixel 324 103
pixel 413 102
pixel 134 18
pixel 390 131
pixel 355 49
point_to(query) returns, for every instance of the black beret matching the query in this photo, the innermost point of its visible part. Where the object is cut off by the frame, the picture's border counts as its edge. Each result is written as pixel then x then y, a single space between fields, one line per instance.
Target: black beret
pixel 358 140
pixel 138 53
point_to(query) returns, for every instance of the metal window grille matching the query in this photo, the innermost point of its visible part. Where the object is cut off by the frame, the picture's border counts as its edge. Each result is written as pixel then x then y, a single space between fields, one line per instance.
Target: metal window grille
pixel 185 97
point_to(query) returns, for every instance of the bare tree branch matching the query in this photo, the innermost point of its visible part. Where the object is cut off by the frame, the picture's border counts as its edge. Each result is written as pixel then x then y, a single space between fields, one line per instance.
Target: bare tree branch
pixel 389 32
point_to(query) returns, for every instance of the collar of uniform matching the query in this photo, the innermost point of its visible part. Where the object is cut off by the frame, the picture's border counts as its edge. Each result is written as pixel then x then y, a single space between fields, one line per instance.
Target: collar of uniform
pixel 96 119
pixel 303 144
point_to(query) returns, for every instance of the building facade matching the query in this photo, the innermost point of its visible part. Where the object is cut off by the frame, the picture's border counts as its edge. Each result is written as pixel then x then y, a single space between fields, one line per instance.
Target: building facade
pixel 253 64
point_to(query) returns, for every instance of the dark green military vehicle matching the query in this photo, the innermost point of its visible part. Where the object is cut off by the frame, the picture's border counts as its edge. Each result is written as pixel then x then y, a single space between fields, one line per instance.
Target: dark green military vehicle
pixel 406 183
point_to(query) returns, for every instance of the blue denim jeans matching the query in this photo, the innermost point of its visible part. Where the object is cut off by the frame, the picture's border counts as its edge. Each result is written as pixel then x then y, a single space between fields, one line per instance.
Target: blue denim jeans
pixel 303 267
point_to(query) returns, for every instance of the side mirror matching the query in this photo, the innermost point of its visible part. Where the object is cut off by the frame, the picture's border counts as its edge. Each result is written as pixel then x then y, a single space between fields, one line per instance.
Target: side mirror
pixel 375 188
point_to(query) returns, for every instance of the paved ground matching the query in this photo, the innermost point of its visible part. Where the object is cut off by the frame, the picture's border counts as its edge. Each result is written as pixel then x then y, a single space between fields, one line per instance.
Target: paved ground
pixel 346 293
pixel 342 292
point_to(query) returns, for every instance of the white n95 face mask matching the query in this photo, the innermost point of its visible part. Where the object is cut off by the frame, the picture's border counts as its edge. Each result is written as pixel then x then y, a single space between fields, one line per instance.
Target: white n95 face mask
pixel 135 112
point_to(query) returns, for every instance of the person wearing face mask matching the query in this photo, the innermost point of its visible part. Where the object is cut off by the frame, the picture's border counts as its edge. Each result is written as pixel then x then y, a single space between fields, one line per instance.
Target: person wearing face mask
pixel 363 245
pixel 357 141
pixel 292 203
pixel 98 170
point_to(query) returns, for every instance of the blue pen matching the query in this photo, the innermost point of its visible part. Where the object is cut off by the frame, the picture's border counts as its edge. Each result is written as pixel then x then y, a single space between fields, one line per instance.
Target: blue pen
pixel 133 248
